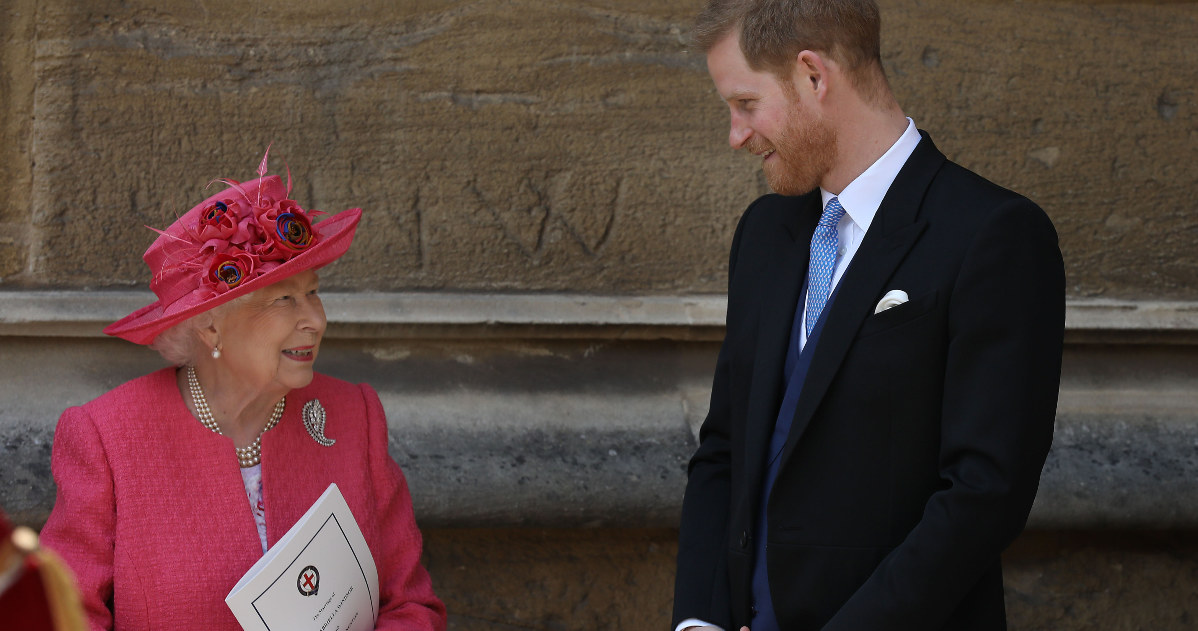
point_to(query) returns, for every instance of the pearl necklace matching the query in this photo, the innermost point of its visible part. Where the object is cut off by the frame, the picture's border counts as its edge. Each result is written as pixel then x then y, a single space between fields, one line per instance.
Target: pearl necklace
pixel 246 456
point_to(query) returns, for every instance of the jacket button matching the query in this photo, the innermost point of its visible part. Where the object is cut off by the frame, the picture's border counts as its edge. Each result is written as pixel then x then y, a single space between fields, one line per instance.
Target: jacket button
pixel 744 538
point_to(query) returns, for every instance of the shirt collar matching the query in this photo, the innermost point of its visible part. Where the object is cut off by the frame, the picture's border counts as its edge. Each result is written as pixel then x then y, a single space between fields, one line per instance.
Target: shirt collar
pixel 862 197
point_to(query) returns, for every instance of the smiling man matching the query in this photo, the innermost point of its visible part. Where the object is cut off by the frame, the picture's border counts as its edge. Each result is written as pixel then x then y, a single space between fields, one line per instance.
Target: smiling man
pixel 884 398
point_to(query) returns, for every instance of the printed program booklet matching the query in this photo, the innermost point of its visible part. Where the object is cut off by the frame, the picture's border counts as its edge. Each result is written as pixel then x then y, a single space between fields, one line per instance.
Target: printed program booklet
pixel 320 576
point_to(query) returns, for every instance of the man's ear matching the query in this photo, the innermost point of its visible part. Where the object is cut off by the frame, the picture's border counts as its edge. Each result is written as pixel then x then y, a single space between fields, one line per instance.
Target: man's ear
pixel 812 73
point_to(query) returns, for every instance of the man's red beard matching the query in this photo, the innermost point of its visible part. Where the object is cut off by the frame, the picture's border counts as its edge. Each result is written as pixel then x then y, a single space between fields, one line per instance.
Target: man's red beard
pixel 804 153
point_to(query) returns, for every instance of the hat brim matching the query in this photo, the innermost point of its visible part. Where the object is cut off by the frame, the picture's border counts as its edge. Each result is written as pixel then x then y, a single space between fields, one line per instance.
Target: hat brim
pixel 336 234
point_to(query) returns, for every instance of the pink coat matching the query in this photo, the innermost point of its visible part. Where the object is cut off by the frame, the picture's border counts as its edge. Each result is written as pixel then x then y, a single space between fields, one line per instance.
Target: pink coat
pixel 153 518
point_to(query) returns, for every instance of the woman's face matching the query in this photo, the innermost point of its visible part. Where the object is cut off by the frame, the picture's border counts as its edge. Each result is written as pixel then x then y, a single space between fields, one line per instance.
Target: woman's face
pixel 270 339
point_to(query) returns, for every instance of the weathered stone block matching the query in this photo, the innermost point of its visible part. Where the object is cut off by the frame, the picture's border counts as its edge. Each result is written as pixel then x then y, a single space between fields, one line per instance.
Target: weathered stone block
pixel 1113 581
pixel 567 580
pixel 12 254
pixel 559 580
pixel 1028 95
pixel 17 41
pixel 489 151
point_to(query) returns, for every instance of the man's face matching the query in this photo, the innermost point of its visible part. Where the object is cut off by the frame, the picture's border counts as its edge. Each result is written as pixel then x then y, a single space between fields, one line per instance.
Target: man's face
pixel 770 119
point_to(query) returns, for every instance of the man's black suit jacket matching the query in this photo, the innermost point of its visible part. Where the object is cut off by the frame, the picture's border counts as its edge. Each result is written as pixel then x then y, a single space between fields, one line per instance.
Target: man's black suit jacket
pixel 916 448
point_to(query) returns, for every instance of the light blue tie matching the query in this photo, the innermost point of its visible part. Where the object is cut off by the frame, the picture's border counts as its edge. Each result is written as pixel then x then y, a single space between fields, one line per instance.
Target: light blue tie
pixel 824 245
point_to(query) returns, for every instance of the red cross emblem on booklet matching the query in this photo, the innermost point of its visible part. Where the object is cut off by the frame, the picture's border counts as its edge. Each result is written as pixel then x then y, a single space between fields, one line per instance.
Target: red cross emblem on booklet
pixel 308 581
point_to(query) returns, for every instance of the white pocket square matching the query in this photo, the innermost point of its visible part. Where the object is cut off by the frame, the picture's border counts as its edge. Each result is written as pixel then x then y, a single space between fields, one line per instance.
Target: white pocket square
pixel 893 298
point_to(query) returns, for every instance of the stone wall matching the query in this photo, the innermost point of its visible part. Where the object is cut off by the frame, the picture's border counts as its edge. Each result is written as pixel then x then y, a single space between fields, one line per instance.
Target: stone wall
pixel 520 163
pixel 621 579
pixel 559 146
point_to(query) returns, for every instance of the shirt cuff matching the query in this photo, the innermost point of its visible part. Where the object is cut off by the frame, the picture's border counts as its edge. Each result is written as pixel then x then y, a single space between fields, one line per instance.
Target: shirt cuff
pixel 694 622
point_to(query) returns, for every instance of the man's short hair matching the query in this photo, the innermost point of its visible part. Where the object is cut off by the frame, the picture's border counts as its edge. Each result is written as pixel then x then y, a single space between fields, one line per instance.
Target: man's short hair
pixel 773 33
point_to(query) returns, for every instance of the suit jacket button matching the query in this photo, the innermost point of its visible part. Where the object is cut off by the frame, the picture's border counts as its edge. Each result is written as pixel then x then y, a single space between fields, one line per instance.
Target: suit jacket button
pixel 744 538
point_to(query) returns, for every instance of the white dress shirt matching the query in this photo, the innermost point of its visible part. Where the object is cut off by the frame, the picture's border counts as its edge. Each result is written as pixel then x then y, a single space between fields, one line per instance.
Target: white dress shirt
pixel 860 199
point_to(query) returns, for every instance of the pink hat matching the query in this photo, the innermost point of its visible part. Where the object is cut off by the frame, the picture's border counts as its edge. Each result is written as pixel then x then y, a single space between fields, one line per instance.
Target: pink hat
pixel 239 240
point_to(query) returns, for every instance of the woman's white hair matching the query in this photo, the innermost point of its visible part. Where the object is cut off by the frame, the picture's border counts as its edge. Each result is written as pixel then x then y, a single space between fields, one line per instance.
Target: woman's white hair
pixel 181 345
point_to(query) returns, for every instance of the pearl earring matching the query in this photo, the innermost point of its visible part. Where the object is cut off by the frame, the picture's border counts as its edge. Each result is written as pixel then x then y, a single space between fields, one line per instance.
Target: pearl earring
pixel 216 353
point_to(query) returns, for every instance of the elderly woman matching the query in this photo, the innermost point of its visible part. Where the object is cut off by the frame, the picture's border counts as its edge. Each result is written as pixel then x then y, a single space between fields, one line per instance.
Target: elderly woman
pixel 172 485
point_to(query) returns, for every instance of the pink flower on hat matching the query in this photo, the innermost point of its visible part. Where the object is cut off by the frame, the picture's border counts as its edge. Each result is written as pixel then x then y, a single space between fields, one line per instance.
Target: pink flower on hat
pixel 229 269
pixel 217 221
pixel 286 228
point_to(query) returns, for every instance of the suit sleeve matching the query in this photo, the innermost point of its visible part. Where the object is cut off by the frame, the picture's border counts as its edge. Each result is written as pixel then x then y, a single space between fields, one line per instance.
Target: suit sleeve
pixel 1003 365
pixel 407 602
pixel 701 585
pixel 82 523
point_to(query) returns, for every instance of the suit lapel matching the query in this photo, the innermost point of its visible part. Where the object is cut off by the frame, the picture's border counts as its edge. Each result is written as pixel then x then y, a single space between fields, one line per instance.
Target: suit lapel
pixel 896 227
pixel 778 297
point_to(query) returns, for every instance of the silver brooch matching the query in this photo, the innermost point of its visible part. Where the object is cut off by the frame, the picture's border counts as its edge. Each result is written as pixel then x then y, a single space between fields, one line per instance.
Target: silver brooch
pixel 314 422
